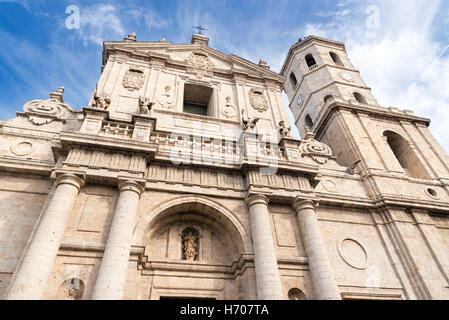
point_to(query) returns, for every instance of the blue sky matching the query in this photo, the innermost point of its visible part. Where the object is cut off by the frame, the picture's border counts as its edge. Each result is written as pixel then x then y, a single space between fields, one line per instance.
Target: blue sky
pixel 400 46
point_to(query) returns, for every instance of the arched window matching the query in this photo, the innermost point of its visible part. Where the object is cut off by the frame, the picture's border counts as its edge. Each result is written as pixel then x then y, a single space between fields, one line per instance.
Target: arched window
pixel 328 97
pixel 308 122
pixel 336 59
pixel 293 80
pixel 296 294
pixel 406 155
pixel 310 61
pixel 190 244
pixel 359 98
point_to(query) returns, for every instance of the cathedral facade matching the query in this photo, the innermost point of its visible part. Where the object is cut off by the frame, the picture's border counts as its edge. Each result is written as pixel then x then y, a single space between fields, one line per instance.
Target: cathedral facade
pixel 181 179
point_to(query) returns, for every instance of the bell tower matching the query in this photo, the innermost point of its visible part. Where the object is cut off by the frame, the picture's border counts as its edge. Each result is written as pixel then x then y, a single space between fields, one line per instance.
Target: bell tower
pixel 329 97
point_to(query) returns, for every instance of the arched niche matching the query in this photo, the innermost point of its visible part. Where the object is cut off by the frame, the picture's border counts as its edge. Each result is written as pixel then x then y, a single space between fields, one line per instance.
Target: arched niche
pixel 296 294
pixel 405 155
pixel 222 239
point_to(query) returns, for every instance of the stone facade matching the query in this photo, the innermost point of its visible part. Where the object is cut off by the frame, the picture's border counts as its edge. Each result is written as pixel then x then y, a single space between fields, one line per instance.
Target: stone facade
pixel 180 178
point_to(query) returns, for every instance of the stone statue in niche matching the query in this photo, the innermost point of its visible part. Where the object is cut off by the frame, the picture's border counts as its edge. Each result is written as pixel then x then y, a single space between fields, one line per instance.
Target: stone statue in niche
pixel 145 106
pixel 101 101
pixel 230 111
pixel 190 244
pixel 165 100
pixel 248 123
pixel 284 130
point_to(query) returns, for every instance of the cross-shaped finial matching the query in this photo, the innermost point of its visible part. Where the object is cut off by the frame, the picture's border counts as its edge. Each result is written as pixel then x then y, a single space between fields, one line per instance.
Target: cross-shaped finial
pixel 200 29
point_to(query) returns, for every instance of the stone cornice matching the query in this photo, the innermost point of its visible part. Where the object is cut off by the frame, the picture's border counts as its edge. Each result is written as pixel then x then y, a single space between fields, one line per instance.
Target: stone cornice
pixel 365 109
pixel 79 139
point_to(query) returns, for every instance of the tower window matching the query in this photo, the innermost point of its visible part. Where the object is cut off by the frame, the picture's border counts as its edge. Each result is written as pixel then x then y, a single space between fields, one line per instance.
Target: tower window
pixel 310 61
pixel 293 80
pixel 336 59
pixel 197 99
pixel 406 156
pixel 359 98
pixel 327 98
pixel 308 122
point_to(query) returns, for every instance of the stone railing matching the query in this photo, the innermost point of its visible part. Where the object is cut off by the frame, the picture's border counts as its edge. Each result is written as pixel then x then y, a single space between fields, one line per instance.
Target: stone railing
pixel 117 130
pixel 216 150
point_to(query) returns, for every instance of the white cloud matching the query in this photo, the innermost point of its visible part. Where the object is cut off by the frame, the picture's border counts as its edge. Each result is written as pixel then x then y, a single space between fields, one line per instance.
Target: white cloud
pixel 401 60
pixel 99 23
pixel 150 18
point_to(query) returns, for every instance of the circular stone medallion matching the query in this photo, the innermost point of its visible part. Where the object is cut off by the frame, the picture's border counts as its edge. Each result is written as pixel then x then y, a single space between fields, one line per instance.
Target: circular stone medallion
pixel 353 253
pixel 300 99
pixel 346 76
pixel 23 148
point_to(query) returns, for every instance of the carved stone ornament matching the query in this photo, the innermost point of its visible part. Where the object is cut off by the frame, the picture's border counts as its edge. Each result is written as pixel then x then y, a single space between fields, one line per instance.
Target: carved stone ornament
pixel 42 112
pixel 200 65
pixel 165 100
pixel 134 79
pixel 316 150
pixel 284 130
pixel 229 111
pixel 101 101
pixel 145 105
pixel 248 123
pixel 258 100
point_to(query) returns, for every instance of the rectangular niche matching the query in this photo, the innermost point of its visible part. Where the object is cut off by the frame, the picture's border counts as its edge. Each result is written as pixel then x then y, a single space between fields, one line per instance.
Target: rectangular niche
pixel 198 99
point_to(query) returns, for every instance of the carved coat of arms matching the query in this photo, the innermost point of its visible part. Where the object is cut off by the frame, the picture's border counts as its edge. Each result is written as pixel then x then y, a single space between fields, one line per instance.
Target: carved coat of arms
pixel 134 79
pixel 258 100
pixel 200 65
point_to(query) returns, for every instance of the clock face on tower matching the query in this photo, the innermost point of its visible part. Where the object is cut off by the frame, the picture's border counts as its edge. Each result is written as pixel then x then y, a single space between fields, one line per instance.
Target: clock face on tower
pixel 346 76
pixel 300 99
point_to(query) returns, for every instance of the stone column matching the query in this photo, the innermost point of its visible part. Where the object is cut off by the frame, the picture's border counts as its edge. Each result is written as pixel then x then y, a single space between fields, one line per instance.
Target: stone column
pixel 111 277
pixel 30 279
pixel 268 279
pixel 323 279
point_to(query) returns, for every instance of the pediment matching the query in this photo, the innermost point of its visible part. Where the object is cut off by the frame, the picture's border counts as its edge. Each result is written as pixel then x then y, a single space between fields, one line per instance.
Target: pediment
pixel 188 54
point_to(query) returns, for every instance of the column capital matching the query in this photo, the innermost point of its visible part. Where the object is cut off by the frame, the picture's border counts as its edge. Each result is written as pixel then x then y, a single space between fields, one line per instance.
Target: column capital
pixel 131 185
pixel 252 199
pixel 72 179
pixel 301 204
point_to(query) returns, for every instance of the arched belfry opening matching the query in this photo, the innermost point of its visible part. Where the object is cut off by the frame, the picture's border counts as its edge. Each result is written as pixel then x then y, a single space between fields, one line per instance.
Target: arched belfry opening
pixel 310 60
pixel 328 97
pixel 308 122
pixel 405 155
pixel 293 80
pixel 359 98
pixel 336 59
